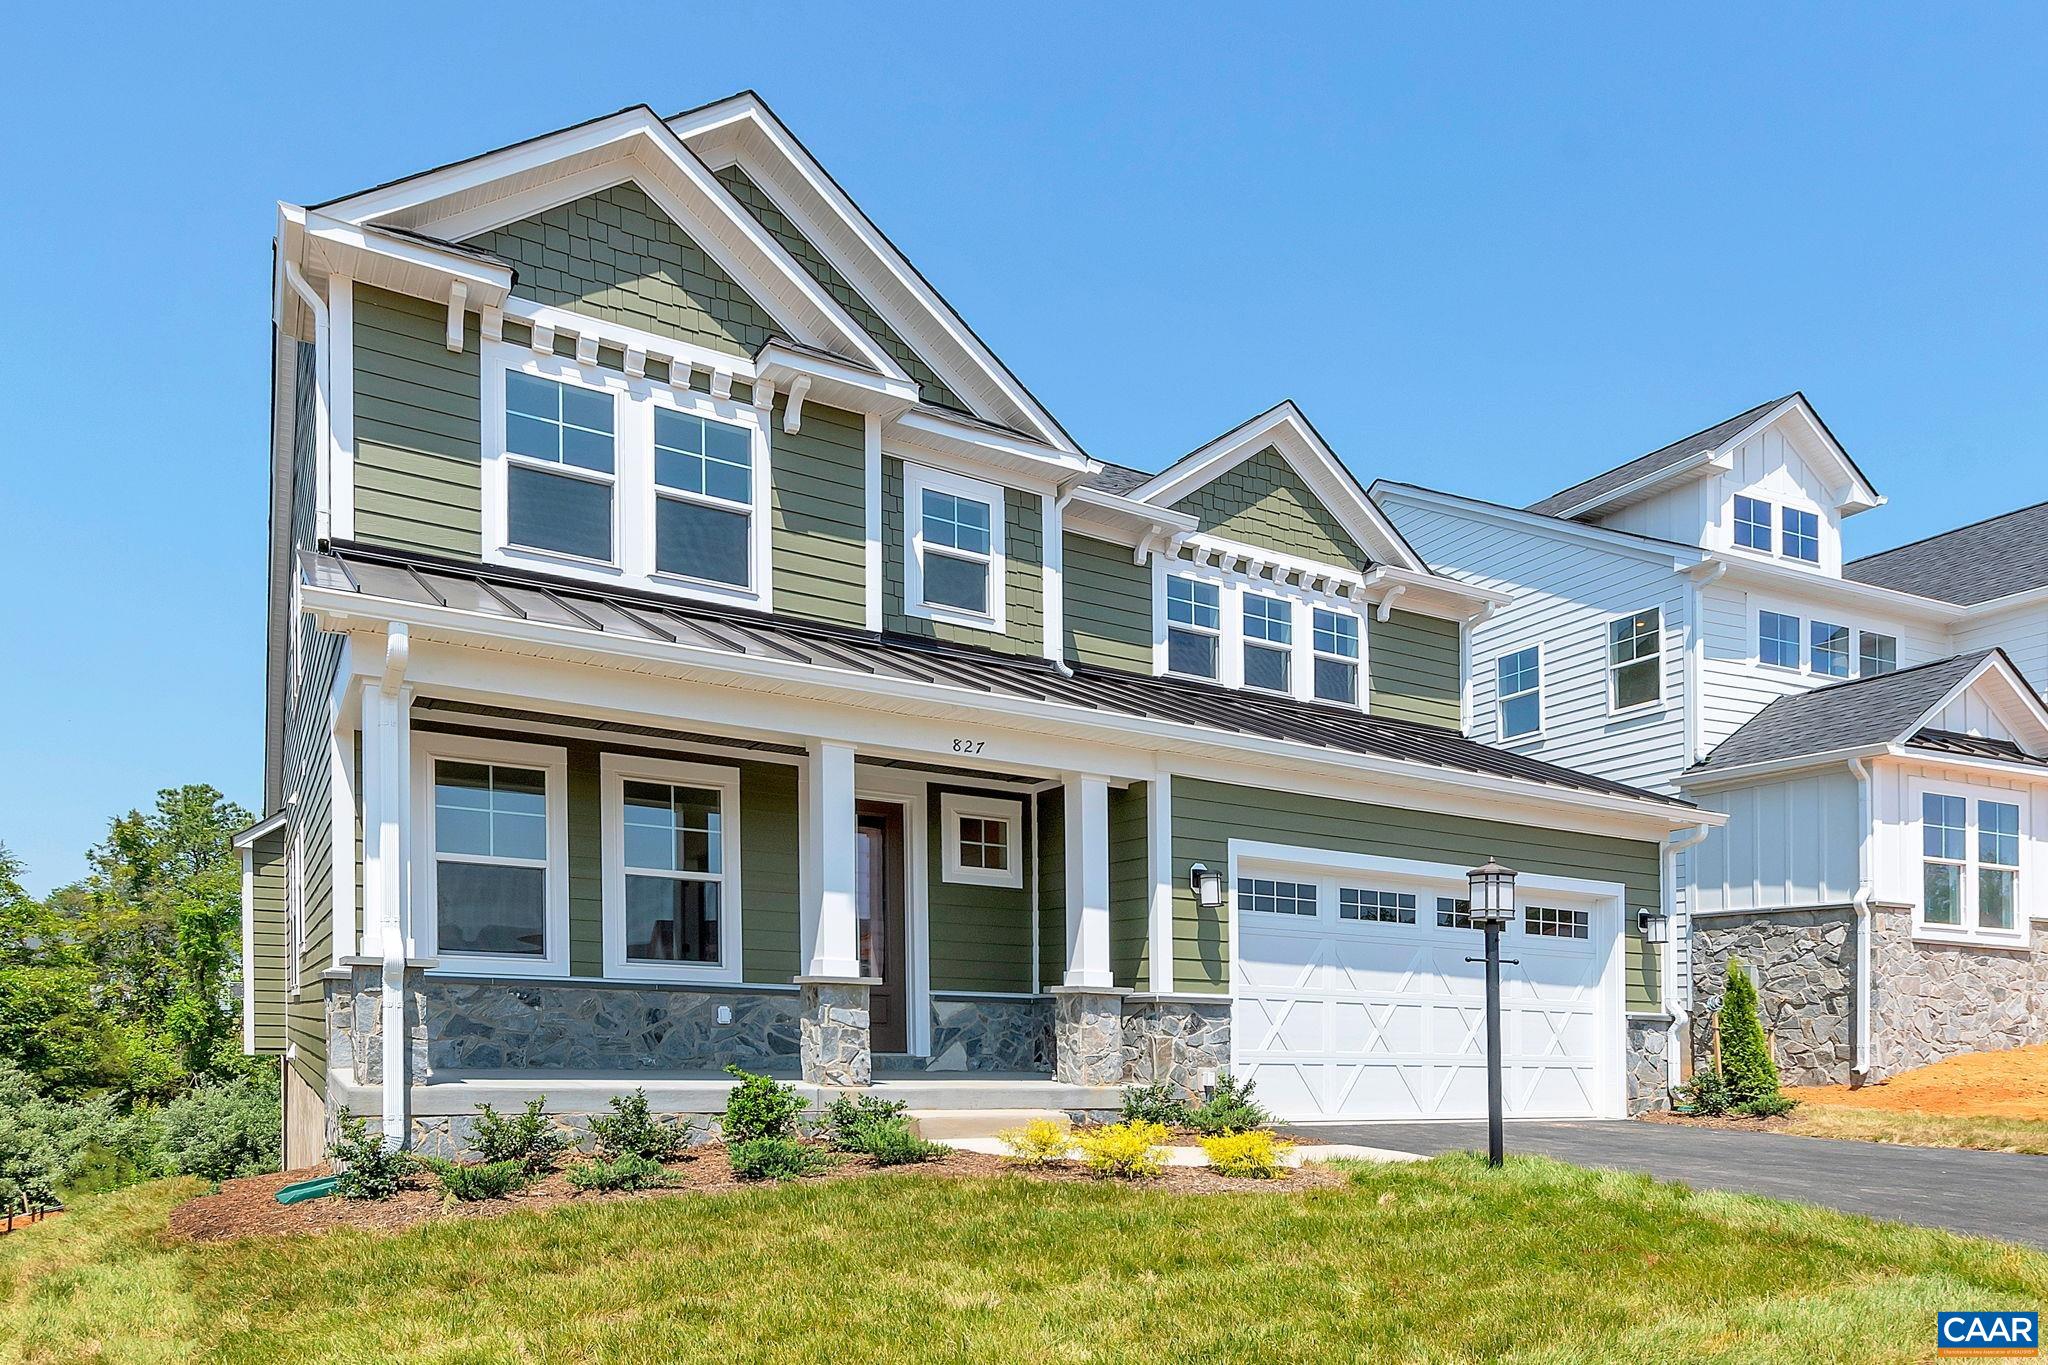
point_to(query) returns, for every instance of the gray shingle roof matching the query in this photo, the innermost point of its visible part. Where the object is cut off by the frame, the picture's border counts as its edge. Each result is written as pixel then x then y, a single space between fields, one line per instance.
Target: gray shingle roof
pixel 514 595
pixel 1710 439
pixel 2004 554
pixel 1119 479
pixel 1846 715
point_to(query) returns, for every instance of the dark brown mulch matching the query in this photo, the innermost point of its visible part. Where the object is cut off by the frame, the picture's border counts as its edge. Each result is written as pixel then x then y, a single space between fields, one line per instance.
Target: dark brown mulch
pixel 1738 1122
pixel 249 1207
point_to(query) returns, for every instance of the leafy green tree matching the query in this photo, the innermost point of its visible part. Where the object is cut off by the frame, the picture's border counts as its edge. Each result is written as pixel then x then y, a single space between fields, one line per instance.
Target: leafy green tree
pixel 1745 1052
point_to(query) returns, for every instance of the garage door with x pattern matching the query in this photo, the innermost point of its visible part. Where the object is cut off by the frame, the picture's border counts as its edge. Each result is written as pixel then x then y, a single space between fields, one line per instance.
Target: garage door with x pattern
pixel 1354 999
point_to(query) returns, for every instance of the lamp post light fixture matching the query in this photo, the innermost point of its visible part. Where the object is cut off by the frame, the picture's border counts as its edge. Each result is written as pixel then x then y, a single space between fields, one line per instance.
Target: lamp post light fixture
pixel 1492 908
pixel 1207 887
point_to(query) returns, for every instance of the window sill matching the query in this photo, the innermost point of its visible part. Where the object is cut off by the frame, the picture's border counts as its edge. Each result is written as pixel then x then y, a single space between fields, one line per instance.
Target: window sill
pixel 534 552
pixel 1650 708
pixel 452 965
pixel 704 587
pixel 924 611
pixel 672 973
pixel 1939 938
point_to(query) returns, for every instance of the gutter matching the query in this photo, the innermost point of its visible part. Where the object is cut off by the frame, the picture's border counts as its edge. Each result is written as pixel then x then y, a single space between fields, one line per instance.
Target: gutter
pixel 1675 844
pixel 1859 1067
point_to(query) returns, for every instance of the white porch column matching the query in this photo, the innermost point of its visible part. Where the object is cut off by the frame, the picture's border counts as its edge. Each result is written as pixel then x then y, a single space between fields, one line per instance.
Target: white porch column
pixel 831 926
pixel 1087 840
pixel 1159 916
pixel 387 880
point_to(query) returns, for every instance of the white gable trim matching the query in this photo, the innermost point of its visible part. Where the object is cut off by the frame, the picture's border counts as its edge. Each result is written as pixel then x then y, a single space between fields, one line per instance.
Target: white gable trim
pixel 1288 431
pixel 2018 701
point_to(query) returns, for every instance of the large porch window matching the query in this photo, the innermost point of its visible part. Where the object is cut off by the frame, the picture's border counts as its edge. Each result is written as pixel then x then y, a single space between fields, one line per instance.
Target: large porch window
pixel 495 829
pixel 671 869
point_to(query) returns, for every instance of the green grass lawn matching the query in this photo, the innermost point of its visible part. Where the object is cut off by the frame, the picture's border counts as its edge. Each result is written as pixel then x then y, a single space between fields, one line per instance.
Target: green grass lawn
pixel 1435 1261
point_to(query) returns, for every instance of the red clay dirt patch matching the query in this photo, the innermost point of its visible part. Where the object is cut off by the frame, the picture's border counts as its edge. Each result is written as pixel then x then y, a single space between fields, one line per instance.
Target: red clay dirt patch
pixel 2010 1084
pixel 249 1207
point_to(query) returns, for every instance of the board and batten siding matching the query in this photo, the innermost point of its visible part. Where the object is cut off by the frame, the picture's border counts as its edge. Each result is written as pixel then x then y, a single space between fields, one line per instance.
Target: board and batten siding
pixel 266 969
pixel 819 540
pixel 1262 501
pixel 1897 845
pixel 1130 886
pixel 1563 590
pixel 1208 815
pixel 1413 662
pixel 1023 573
pixel 1701 512
pixel 1108 615
pixel 418 433
pixel 1790 841
pixel 978 937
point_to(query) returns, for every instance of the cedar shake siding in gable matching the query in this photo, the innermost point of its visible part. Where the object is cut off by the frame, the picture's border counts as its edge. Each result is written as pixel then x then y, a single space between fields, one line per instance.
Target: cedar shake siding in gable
pixel 419 481
pixel 1023 575
pixel 1208 815
pixel 820 527
pixel 1262 501
pixel 266 968
pixel 1414 661
pixel 1108 605
pixel 614 255
pixel 930 387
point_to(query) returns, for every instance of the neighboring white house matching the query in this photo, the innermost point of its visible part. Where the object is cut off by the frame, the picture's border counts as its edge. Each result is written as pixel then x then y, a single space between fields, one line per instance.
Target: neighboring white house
pixel 1662 615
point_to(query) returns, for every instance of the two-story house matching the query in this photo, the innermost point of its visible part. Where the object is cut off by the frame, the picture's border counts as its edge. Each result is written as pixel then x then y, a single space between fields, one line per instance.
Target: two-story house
pixel 689 645
pixel 1872 730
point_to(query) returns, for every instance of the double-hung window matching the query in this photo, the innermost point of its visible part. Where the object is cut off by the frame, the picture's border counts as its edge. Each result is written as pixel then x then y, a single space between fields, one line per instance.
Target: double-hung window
pixel 1830 653
pixel 561 451
pixel 1876 654
pixel 1194 626
pixel 1336 648
pixel 1268 641
pixel 1802 535
pixel 1752 523
pixel 1998 864
pixel 1519 688
pixel 1777 639
pixel 495 866
pixel 1969 864
pixel 704 498
pixel 671 869
pixel 1635 660
pixel 955 550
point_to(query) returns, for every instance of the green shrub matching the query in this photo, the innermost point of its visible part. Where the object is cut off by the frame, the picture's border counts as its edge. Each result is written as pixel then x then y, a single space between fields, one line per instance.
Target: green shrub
pixel 1161 1102
pixel 1745 1051
pixel 368 1170
pixel 223 1130
pixel 849 1118
pixel 1254 1155
pixel 625 1172
pixel 487 1180
pixel 1230 1109
pixel 891 1143
pixel 528 1139
pixel 772 1158
pixel 633 1130
pixel 1769 1106
pixel 1706 1095
pixel 760 1107
pixel 1129 1150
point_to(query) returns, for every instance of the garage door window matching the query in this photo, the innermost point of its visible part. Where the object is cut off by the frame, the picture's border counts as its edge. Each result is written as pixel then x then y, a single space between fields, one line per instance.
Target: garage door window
pixel 1453 914
pixel 1263 897
pixel 1380 907
pixel 1544 921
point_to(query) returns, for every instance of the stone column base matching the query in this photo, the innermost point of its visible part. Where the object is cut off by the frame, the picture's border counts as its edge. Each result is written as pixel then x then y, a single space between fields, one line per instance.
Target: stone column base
pixel 355 1022
pixel 1088 1035
pixel 834 1042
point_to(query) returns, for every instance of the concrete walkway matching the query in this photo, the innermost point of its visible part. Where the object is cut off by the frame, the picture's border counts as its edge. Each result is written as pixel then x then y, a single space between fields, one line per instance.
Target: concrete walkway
pixel 1986 1194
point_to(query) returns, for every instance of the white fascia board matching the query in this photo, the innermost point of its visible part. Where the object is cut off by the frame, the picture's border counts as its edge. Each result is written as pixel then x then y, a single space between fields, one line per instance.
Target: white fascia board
pixel 1286 429
pixel 2019 694
pixel 2014 601
pixel 1693 466
pixel 344 610
pixel 1462 599
pixel 1749 772
pixel 985 446
pixel 1755 573
pixel 835 383
pixel 268 825
pixel 1125 521
pixel 748 109
pixel 334 246
pixel 2017 772
pixel 1677 555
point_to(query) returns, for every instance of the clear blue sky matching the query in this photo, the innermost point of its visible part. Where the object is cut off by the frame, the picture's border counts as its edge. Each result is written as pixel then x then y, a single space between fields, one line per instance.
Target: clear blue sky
pixel 1490 249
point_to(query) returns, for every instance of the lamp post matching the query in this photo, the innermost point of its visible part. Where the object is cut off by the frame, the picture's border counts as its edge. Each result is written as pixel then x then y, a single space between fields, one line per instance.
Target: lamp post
pixel 1492 908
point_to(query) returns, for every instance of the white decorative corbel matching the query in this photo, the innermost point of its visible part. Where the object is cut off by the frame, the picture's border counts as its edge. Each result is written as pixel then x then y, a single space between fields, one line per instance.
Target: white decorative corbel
pixel 1147 545
pixel 458 300
pixel 1392 596
pixel 586 349
pixel 636 363
pixel 679 371
pixel 793 414
pixel 543 338
pixel 764 398
pixel 493 326
pixel 721 383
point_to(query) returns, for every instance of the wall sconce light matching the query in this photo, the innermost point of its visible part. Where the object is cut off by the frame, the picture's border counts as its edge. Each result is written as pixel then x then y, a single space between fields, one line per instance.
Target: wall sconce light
pixel 1654 925
pixel 1207 886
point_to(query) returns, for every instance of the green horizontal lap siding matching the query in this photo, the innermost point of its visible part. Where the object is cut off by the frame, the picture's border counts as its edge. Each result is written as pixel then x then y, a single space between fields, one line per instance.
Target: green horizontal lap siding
pixel 1262 501
pixel 1023 573
pixel 1052 888
pixel 306 1028
pixel 266 969
pixel 586 860
pixel 1130 885
pixel 1414 663
pixel 418 432
pixel 616 256
pixel 979 937
pixel 1108 605
pixel 930 387
pixel 819 538
pixel 1208 815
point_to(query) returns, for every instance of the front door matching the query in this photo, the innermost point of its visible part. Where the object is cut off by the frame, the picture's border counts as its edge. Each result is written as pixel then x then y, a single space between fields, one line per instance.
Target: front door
pixel 879 874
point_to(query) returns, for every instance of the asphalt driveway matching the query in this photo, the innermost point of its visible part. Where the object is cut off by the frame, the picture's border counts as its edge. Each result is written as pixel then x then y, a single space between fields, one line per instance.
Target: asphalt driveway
pixel 1987 1194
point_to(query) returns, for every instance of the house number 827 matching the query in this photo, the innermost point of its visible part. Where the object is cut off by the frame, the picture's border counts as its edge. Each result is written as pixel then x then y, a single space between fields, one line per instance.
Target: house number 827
pixel 968 746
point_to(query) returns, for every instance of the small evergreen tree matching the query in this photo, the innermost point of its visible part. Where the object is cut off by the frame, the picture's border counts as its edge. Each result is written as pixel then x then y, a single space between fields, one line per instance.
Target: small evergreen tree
pixel 1745 1052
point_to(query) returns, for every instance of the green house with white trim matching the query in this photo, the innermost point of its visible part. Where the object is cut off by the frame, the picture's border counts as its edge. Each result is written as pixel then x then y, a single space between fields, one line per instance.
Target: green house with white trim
pixel 689 645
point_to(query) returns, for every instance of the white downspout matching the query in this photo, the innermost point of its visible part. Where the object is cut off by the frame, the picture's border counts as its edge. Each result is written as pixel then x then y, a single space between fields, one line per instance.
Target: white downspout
pixel 1859 1069
pixel 1674 845
pixel 392 935
pixel 323 360
pixel 1055 613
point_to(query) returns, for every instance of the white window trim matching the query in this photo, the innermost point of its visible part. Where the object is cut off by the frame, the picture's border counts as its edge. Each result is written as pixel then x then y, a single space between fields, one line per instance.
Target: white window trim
pixel 917 480
pixel 1291 609
pixel 1357 661
pixel 952 806
pixel 1820 522
pixel 1663 696
pixel 614 771
pixel 1848 650
pixel 1500 718
pixel 1862 635
pixel 632 478
pixel 1231 587
pixel 1968 931
pixel 1215 632
pixel 428 747
pixel 1798 641
pixel 1770 524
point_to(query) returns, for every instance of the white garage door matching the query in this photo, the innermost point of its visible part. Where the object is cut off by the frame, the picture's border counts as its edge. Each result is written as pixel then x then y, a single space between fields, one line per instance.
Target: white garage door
pixel 1352 999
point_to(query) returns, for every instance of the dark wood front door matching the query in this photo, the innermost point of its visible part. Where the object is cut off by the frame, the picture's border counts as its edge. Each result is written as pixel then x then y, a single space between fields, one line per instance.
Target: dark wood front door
pixel 879 851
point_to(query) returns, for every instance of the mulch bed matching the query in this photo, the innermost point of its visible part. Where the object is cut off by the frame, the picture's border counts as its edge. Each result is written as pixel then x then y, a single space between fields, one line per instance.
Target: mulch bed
pixel 1737 1122
pixel 249 1207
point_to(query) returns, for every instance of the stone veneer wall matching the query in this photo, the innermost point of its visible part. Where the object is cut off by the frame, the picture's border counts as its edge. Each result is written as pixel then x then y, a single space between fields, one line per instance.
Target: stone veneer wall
pixel 1935 1000
pixel 1649 1080
pixel 1804 966
pixel 1175 1040
pixel 991 1035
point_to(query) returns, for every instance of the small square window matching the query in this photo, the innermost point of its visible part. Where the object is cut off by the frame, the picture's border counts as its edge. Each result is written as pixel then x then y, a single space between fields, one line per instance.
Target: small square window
pixel 1753 523
pixel 1453 913
pixel 1777 639
pixel 1876 654
pixel 982 844
pixel 1830 654
pixel 1802 535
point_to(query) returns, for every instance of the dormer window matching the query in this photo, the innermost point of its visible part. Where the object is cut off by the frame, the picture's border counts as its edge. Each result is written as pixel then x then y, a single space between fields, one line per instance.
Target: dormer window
pixel 1753 523
pixel 1802 535
pixel 955 554
pixel 1336 648
pixel 1268 641
pixel 561 461
pixel 1194 626
pixel 704 498
pixel 1277 634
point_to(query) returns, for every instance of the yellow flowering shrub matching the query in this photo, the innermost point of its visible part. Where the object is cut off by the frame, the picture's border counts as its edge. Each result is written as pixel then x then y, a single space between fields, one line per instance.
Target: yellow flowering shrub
pixel 1039 1141
pixel 1124 1149
pixel 1256 1155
